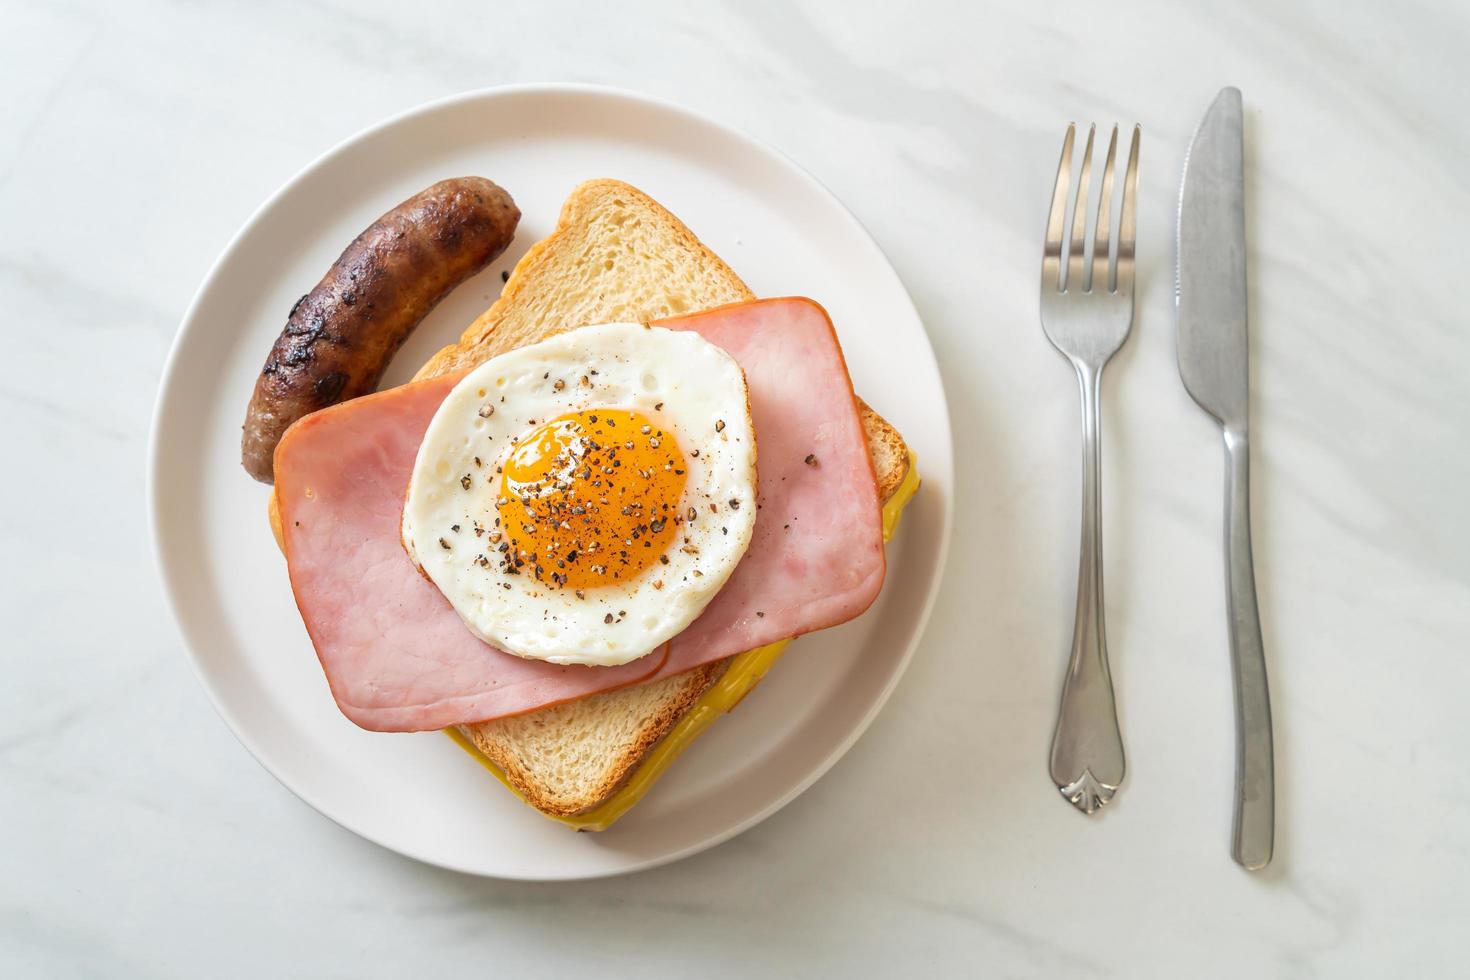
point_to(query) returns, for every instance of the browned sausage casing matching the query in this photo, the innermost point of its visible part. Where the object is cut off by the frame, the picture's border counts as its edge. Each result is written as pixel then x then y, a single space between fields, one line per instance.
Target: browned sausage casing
pixel 340 336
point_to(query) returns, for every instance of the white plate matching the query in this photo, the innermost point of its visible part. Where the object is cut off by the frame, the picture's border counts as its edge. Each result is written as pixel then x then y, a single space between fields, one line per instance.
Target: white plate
pixel 419 794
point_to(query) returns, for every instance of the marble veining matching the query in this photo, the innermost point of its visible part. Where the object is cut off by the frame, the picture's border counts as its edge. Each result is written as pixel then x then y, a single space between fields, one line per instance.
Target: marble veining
pixel 142 840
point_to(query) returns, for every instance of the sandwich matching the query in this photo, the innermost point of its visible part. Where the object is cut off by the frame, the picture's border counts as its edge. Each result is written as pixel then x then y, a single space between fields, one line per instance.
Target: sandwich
pixel 590 698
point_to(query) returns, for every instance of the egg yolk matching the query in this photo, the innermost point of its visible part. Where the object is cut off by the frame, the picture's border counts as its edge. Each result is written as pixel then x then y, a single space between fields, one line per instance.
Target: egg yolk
pixel 590 498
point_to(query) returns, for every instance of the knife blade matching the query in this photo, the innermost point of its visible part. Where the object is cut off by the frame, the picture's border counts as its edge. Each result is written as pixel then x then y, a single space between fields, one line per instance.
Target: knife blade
pixel 1210 296
pixel 1209 278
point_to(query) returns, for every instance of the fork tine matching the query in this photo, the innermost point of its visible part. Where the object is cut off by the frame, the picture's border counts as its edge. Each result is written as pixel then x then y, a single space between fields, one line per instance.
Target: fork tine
pixel 1128 227
pixel 1056 222
pixel 1099 274
pixel 1076 251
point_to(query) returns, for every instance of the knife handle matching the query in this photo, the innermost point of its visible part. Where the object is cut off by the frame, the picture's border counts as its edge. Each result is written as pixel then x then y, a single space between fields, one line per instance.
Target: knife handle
pixel 1254 831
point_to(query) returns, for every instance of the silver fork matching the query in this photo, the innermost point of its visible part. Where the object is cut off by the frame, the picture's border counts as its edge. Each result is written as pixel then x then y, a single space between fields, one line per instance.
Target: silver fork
pixel 1087 315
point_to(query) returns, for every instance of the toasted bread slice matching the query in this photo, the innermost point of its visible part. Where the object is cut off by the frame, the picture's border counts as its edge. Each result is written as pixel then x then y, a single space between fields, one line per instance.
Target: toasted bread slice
pixel 571 758
pixel 616 254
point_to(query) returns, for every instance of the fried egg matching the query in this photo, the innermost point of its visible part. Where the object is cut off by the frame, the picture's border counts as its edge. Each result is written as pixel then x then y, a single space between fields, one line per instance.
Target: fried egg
pixel 581 500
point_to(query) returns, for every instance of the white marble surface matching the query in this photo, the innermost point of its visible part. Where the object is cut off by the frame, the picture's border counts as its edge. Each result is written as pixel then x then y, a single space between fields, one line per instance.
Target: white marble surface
pixel 140 839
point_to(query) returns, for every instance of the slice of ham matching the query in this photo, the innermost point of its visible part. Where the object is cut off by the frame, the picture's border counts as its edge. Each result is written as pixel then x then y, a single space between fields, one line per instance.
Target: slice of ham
pixel 398 658
pixel 816 558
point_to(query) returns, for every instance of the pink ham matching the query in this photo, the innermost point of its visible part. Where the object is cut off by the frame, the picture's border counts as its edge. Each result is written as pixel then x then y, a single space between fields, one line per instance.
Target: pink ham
pixel 396 654
pixel 398 658
pixel 816 558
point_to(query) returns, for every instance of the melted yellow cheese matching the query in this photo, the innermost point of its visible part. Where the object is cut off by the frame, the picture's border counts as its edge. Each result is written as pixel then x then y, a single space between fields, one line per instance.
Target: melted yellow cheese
pixel 745 672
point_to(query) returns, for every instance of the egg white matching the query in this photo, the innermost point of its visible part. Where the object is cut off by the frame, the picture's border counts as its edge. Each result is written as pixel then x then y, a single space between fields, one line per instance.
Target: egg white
pixel 686 386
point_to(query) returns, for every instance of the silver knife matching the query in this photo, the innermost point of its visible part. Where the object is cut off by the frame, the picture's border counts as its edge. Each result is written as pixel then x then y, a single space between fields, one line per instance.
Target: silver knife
pixel 1210 293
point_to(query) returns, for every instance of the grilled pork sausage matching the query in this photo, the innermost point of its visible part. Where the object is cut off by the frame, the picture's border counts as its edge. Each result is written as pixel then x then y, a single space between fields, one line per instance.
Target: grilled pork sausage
pixel 339 337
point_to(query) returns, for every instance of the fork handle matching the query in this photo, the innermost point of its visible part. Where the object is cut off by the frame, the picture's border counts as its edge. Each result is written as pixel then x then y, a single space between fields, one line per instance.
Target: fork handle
pixel 1254 831
pixel 1087 748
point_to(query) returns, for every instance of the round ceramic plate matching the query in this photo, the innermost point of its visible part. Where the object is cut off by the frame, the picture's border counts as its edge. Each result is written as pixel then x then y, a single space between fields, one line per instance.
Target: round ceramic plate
pixel 419 794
